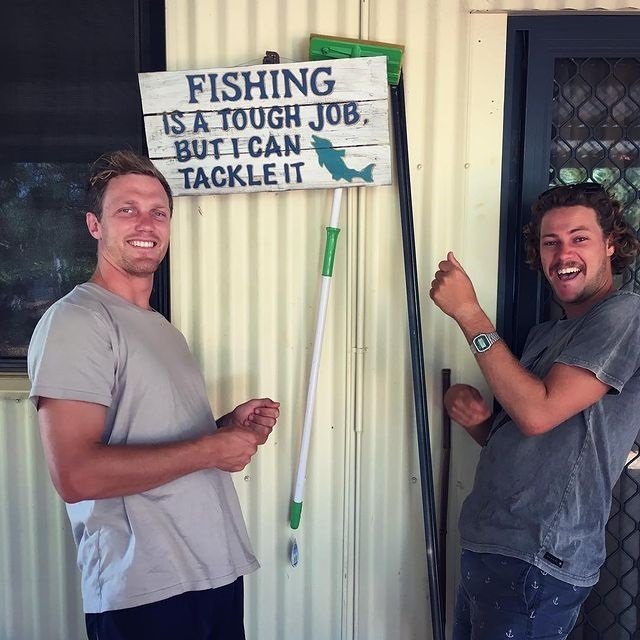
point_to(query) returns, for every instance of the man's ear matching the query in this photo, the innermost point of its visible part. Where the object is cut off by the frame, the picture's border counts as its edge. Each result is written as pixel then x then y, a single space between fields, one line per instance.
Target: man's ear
pixel 610 248
pixel 93 224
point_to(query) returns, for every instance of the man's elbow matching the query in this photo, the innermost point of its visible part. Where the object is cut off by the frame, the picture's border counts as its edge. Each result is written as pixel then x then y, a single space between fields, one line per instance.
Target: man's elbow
pixel 71 487
pixel 537 425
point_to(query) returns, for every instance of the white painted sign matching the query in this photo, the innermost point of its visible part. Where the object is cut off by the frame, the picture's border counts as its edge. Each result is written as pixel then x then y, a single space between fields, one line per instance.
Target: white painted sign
pixel 307 125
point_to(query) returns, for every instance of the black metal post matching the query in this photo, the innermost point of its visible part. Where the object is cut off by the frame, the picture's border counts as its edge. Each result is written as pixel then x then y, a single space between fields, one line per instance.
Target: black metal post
pixel 417 356
pixel 445 462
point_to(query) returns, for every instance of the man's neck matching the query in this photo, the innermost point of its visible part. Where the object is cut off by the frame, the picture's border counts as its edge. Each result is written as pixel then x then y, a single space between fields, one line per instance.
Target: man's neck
pixel 575 310
pixel 134 289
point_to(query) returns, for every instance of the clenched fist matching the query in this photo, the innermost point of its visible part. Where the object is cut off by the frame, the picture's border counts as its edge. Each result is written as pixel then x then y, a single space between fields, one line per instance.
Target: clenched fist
pixel 452 290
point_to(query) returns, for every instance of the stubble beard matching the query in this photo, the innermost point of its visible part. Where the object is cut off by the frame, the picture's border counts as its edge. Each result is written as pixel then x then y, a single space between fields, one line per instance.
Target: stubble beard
pixel 589 290
pixel 140 268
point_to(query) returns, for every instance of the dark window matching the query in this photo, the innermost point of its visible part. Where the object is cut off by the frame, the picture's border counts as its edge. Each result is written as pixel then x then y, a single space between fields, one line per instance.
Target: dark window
pixel 68 92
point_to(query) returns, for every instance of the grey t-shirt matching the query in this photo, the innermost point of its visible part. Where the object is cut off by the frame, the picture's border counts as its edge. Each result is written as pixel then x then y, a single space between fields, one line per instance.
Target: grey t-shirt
pixel 546 499
pixel 185 535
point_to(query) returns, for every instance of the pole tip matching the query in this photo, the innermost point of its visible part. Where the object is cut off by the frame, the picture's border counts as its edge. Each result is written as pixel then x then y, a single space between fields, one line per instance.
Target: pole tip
pixel 293 553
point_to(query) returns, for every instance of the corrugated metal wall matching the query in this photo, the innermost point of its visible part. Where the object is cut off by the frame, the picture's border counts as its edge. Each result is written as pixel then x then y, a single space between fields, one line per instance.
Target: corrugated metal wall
pixel 39 589
pixel 245 278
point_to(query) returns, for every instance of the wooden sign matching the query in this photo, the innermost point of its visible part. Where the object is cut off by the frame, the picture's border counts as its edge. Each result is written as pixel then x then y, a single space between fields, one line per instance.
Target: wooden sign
pixel 307 125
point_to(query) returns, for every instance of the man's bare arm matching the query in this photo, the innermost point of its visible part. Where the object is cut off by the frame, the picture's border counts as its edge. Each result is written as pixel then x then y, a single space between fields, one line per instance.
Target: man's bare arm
pixel 535 405
pixel 538 405
pixel 82 467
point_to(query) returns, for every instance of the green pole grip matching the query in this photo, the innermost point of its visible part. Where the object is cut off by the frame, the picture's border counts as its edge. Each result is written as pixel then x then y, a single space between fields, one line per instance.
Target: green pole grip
pixel 295 513
pixel 330 251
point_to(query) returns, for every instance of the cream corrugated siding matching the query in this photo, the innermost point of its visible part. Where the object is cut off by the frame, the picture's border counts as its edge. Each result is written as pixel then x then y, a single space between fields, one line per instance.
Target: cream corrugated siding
pixel 361 542
pixel 252 263
pixel 39 592
pixel 244 285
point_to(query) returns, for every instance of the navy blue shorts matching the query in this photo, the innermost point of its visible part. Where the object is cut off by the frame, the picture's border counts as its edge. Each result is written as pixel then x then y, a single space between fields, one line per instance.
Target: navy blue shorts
pixel 213 614
pixel 500 597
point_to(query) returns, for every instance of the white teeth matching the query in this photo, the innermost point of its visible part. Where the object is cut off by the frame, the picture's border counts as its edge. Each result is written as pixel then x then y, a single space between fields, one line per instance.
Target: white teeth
pixel 145 244
pixel 568 270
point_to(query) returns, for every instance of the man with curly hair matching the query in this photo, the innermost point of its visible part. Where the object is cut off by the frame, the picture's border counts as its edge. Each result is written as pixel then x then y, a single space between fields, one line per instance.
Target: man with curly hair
pixel 532 529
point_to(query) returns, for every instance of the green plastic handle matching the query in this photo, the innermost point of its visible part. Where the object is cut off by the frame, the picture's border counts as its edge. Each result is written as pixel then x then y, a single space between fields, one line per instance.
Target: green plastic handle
pixel 323 47
pixel 295 513
pixel 330 251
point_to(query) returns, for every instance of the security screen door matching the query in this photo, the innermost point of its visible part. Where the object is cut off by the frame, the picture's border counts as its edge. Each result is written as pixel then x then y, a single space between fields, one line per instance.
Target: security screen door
pixel 572 113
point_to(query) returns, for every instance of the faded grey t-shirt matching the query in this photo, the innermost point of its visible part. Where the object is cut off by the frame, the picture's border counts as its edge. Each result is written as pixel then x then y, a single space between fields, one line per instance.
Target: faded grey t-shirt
pixel 185 535
pixel 546 499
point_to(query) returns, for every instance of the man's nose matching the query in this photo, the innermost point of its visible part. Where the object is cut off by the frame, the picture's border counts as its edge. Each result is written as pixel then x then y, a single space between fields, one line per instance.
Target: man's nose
pixel 144 220
pixel 564 250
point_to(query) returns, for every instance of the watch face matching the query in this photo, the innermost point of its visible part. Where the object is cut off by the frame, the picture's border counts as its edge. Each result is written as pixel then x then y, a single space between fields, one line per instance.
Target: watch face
pixel 481 342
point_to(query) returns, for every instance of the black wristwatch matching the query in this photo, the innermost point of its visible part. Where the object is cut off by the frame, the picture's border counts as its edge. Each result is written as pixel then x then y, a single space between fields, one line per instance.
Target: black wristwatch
pixel 483 341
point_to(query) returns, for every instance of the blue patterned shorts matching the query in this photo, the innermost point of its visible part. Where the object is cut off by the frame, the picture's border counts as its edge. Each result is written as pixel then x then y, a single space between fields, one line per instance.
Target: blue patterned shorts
pixel 500 597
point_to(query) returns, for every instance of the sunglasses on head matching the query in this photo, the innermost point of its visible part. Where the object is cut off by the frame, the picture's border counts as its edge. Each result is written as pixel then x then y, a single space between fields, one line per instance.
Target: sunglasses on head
pixel 578 187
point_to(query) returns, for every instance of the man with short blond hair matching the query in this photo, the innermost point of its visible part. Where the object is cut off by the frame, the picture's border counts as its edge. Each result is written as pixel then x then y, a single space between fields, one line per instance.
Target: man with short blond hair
pixel 129 437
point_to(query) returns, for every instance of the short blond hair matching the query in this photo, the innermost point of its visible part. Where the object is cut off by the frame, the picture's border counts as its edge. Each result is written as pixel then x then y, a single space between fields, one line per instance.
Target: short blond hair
pixel 119 163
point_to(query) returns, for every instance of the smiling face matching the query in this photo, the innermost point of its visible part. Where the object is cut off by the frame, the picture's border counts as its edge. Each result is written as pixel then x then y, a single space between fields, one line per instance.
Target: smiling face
pixel 576 257
pixel 133 230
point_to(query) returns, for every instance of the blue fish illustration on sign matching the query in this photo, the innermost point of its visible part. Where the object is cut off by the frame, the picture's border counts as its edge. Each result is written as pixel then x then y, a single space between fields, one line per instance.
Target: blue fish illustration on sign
pixel 332 160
